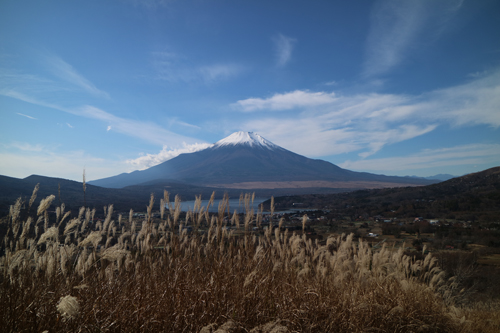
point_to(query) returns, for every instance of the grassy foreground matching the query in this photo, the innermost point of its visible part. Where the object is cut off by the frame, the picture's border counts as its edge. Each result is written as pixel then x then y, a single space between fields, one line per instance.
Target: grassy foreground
pixel 79 275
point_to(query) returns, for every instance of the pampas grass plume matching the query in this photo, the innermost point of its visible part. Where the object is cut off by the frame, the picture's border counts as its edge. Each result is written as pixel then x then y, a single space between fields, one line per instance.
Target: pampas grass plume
pixel 51 234
pixel 33 196
pixel 68 307
pixel 45 204
pixel 93 238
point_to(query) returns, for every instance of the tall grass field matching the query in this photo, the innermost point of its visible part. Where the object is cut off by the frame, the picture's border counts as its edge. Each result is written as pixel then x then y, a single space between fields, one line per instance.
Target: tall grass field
pixel 70 272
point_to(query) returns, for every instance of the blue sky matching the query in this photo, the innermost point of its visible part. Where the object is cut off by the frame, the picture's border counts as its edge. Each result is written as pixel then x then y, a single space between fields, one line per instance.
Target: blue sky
pixel 389 87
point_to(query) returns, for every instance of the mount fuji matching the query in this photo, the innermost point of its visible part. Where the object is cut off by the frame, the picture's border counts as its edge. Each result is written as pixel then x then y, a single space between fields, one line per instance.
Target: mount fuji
pixel 245 160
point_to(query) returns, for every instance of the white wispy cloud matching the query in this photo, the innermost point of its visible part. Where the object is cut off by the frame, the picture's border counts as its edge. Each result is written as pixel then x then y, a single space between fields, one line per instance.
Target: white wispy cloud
pixel 377 140
pixel 40 91
pixel 66 72
pixel 398 26
pixel 284 46
pixel 431 158
pixel 165 154
pixel 475 102
pixel 148 131
pixel 12 80
pixel 176 122
pixel 172 67
pixel 315 137
pixel 13 93
pixel 219 72
pixel 366 123
pixel 23 146
pixel 286 101
pixel 24 115
pixel 143 130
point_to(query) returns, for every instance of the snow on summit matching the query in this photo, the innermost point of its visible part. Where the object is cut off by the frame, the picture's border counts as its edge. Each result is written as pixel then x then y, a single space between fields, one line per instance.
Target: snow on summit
pixel 245 138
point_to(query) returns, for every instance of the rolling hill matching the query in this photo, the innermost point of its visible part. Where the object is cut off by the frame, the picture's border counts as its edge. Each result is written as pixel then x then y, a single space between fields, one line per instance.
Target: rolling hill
pixel 475 196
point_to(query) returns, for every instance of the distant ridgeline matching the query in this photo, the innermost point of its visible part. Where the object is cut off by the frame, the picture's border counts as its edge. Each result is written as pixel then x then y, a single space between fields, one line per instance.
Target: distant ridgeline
pixel 474 197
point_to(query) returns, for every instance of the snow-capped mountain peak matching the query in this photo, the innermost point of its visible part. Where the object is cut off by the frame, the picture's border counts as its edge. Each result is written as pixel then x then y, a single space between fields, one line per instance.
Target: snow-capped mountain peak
pixel 246 138
pixel 246 157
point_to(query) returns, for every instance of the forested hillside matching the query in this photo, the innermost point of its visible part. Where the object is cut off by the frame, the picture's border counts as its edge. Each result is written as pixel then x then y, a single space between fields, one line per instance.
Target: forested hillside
pixel 474 197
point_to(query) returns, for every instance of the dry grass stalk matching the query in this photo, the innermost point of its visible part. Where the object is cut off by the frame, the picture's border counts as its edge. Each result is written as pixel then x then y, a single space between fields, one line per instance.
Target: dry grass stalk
pixel 84 190
pixel 45 204
pixel 149 208
pixel 107 220
pixel 58 214
pixel 26 227
pixel 33 195
pixel 51 235
pixel 71 226
pixel 64 217
pixel 15 210
pixel 81 211
pixel 162 208
pixel 93 238
pixel 166 200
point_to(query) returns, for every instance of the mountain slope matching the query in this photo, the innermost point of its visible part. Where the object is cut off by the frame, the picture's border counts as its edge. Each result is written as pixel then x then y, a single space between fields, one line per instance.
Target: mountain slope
pixel 474 196
pixel 245 157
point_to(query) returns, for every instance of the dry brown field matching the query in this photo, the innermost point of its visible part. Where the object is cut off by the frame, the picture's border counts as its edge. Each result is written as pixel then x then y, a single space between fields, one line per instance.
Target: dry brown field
pixel 72 272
